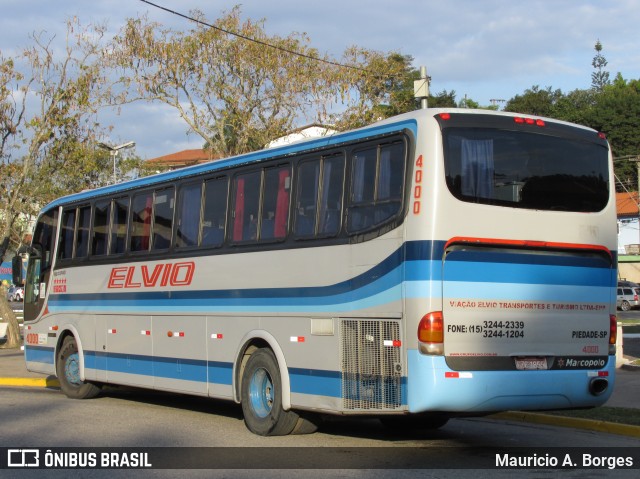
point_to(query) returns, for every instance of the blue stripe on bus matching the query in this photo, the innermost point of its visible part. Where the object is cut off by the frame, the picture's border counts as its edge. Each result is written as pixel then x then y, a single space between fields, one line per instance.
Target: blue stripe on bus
pixel 414 262
pixel 39 354
pixel 316 382
pixel 303 381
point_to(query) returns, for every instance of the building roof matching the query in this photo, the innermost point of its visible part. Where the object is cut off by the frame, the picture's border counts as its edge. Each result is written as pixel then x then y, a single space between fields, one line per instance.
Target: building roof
pixel 627 204
pixel 313 130
pixel 181 159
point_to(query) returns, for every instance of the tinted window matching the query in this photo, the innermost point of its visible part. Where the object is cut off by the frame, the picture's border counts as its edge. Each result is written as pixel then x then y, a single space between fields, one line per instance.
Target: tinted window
pixel 141 211
pixel 188 220
pixel 330 214
pixel 319 197
pixel 163 204
pixel 44 236
pixel 246 207
pixel 101 217
pixel 214 215
pixel 377 180
pixel 119 225
pixel 82 234
pixel 525 170
pixel 67 233
pixel 275 203
pixel 307 198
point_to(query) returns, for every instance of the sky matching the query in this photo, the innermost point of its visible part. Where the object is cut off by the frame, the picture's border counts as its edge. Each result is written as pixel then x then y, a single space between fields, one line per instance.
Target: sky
pixel 484 49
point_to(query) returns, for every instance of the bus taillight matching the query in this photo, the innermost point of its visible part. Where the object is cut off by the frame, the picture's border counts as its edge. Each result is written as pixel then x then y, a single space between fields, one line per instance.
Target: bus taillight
pixel 613 333
pixel 528 121
pixel 431 333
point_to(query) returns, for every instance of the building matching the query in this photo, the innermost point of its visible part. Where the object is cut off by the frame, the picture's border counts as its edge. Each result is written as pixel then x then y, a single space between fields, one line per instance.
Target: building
pixel 180 159
pixel 185 158
pixel 313 130
pixel 628 236
pixel 628 222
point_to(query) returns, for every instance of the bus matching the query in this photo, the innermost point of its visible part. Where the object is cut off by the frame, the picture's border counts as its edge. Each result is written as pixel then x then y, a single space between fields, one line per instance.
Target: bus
pixel 441 263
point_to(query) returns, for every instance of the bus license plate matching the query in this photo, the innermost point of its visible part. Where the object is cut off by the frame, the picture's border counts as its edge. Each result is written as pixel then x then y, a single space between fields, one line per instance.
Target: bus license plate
pixel 531 363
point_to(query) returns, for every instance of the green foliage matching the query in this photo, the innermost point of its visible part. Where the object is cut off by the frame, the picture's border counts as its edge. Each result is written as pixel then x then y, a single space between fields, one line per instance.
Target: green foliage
pixel 48 103
pixel 600 77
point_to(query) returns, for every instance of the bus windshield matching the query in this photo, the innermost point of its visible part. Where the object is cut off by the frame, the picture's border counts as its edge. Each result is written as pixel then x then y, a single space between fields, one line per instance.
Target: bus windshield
pixel 525 169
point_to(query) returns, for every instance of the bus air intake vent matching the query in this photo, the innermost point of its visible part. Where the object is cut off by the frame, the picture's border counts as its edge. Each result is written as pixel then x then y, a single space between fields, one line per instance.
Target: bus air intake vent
pixel 371 365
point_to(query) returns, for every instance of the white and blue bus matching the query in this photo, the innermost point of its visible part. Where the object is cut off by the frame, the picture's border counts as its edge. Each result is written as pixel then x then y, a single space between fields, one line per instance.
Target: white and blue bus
pixel 443 262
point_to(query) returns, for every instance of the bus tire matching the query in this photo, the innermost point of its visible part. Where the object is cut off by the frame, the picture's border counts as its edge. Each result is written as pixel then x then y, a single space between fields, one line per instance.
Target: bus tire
pixel 68 372
pixel 261 397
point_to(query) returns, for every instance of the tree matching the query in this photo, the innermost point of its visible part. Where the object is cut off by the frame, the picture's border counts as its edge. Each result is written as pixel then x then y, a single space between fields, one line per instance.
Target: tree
pixel 600 77
pixel 535 101
pixel 379 86
pixel 237 94
pixel 49 129
pixel 617 113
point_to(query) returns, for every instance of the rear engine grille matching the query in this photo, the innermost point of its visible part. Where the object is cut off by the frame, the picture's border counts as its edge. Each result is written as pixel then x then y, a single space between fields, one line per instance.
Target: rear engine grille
pixel 371 365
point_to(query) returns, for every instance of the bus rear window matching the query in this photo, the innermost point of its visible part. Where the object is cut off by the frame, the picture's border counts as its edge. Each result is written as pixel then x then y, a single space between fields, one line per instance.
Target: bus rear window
pixel 526 170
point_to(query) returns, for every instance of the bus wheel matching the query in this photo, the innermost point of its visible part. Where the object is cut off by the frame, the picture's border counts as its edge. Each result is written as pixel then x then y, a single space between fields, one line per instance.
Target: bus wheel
pixel 261 397
pixel 68 372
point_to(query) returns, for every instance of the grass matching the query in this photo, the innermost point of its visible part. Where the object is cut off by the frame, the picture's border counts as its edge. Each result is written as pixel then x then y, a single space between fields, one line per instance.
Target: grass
pixel 635 329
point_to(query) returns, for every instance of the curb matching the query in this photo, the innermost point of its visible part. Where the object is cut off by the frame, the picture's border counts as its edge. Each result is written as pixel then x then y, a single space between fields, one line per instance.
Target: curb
pixel 564 421
pixel 48 382
pixel 630 367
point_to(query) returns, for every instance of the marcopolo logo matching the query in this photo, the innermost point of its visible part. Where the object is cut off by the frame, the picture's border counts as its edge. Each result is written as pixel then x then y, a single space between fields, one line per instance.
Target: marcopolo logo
pixel 23 458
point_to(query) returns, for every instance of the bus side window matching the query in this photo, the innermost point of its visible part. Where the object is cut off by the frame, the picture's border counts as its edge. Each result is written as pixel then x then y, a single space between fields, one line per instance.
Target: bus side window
pixel 119 225
pixel 100 237
pixel 363 183
pixel 245 207
pixel 188 220
pixel 141 211
pixel 319 197
pixel 163 206
pixel 65 249
pixel 330 215
pixel 307 197
pixel 275 203
pixel 82 232
pixel 214 215
pixel 377 183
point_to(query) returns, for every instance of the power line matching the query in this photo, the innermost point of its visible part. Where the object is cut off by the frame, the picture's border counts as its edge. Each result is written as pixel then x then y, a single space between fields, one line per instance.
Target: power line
pixel 260 42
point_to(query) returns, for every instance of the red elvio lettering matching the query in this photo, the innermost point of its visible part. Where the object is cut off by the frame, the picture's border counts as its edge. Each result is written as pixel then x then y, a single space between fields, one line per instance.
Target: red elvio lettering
pixel 128 283
pixel 188 274
pixel 116 278
pixel 150 281
pixel 166 275
pixel 179 274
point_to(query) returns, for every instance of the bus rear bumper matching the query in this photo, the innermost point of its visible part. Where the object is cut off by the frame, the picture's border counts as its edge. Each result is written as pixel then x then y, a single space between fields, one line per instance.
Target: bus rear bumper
pixel 432 386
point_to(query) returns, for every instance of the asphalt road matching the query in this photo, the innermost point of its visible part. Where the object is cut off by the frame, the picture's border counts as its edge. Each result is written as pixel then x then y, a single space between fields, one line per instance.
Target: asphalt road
pixel 135 419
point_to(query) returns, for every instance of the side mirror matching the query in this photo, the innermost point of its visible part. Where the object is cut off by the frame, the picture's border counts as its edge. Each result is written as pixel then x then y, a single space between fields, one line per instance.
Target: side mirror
pixel 16 270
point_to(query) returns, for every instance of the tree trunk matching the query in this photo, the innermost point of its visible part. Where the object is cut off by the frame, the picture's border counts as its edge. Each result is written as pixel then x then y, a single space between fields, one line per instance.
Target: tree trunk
pixel 7 314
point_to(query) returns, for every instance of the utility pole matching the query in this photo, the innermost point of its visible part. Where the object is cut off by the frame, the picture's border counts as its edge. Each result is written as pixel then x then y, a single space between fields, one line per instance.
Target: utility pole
pixel 421 88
